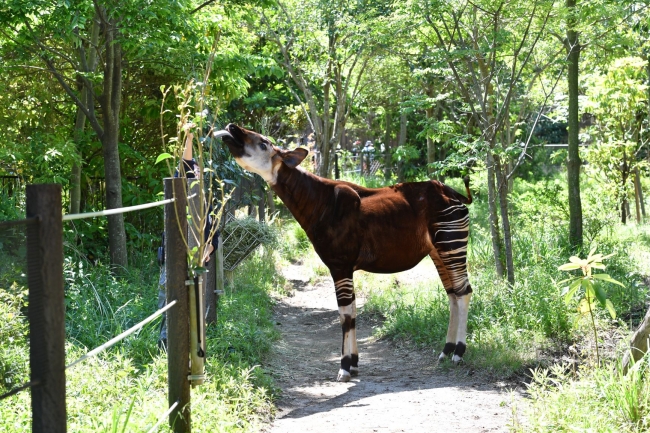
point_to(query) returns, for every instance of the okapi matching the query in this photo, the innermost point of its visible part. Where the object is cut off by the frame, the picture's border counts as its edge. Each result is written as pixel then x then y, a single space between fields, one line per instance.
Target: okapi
pixel 382 230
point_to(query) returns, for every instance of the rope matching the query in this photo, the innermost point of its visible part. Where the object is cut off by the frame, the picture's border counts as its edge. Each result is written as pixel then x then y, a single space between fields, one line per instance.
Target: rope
pixel 122 336
pixel 163 417
pixel 20 388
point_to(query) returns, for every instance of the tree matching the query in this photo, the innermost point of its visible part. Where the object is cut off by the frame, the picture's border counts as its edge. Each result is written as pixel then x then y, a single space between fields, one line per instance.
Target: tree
pixel 45 29
pixel 324 59
pixel 617 100
pixel 489 49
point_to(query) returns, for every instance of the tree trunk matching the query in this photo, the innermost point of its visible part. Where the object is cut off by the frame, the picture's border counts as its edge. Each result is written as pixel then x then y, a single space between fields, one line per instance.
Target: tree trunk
pixel 573 160
pixel 75 174
pixel 638 191
pixel 80 123
pixel 261 205
pixel 494 218
pixel 111 101
pixel 269 199
pixel 431 145
pixel 639 343
pixel 324 168
pixel 387 132
pixel 401 142
pixel 502 190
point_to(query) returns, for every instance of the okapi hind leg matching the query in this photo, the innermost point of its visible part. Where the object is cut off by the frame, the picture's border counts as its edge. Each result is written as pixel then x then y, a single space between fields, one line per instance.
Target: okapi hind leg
pixel 452 330
pixel 461 343
pixel 347 314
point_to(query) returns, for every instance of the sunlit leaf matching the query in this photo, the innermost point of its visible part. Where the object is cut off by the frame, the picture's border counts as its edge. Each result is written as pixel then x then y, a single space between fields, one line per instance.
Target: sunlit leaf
pixel 162 157
pixel 569 267
pixel 585 307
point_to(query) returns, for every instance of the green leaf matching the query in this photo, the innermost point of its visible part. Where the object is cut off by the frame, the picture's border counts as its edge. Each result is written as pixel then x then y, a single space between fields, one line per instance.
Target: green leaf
pixel 600 294
pixel 573 287
pixel 569 267
pixel 576 259
pixel 606 277
pixel 162 157
pixel 610 308
pixel 589 288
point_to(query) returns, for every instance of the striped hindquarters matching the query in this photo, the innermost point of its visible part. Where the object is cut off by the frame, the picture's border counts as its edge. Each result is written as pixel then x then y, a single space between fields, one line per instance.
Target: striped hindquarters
pixel 450 235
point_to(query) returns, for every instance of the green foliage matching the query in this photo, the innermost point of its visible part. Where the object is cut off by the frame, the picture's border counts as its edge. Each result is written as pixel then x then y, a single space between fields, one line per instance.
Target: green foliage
pixel 616 403
pixel 590 284
pixel 125 388
pixel 502 317
pixel 14 356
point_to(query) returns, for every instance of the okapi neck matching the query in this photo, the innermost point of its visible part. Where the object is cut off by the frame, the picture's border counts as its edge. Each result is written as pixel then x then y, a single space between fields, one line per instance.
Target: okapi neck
pixel 303 193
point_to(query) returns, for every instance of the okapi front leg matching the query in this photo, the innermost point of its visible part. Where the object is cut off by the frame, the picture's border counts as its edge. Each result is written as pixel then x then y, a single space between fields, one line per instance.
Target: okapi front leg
pixel 347 314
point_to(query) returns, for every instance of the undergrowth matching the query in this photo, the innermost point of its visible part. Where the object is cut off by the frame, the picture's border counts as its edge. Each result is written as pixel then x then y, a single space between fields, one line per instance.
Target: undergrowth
pixel 589 399
pixel 126 386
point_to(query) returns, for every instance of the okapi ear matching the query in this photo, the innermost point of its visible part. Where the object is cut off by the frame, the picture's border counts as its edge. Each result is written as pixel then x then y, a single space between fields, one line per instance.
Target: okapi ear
pixel 294 158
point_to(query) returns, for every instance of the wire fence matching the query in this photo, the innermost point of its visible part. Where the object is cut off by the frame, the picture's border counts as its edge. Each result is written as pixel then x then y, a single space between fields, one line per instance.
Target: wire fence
pixel 39 240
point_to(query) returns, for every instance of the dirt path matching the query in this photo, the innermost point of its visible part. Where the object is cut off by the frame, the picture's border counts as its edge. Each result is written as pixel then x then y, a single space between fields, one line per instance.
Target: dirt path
pixel 396 390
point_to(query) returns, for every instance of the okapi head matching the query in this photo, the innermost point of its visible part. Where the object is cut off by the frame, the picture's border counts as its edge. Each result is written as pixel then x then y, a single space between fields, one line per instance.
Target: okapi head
pixel 255 153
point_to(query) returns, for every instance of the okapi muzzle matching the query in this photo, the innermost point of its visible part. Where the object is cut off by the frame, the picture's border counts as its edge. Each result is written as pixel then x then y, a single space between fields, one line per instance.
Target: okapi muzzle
pixel 383 230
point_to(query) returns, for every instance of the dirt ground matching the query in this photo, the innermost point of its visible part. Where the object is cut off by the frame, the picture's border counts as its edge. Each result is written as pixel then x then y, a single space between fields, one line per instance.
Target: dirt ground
pixel 397 390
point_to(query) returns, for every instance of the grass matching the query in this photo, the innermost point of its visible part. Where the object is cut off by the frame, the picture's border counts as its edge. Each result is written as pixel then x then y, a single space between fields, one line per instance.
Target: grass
pixel 590 399
pixel 511 328
pixel 126 386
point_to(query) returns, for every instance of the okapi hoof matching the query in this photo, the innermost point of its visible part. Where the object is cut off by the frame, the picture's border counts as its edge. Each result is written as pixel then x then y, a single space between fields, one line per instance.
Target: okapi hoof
pixel 344 376
pixel 354 371
pixel 458 353
pixel 446 351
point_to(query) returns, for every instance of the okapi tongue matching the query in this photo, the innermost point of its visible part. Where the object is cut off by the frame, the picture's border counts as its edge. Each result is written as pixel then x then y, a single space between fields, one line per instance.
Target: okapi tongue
pixel 222 133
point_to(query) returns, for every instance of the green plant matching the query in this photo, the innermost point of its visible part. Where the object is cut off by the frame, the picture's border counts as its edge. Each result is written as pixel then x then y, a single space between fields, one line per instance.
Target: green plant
pixel 590 283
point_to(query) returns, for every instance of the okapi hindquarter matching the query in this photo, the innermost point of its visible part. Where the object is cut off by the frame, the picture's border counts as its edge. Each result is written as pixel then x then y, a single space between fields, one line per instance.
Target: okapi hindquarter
pixel 381 230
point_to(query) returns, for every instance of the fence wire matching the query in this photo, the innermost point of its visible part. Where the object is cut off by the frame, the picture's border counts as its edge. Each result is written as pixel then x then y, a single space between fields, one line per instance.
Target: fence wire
pixel 19 388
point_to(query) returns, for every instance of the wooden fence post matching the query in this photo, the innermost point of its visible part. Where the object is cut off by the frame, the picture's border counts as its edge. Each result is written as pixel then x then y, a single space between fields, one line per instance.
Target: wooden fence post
pixel 46 309
pixel 218 255
pixel 195 237
pixel 178 332
pixel 209 296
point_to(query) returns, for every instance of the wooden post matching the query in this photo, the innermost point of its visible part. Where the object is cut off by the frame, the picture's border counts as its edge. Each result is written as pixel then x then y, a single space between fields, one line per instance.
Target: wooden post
pixel 46 310
pixel 208 290
pixel 178 332
pixel 195 237
pixel 218 255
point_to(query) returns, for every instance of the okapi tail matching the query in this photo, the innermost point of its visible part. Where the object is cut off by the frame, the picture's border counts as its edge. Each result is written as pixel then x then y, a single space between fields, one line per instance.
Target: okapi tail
pixel 467 200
